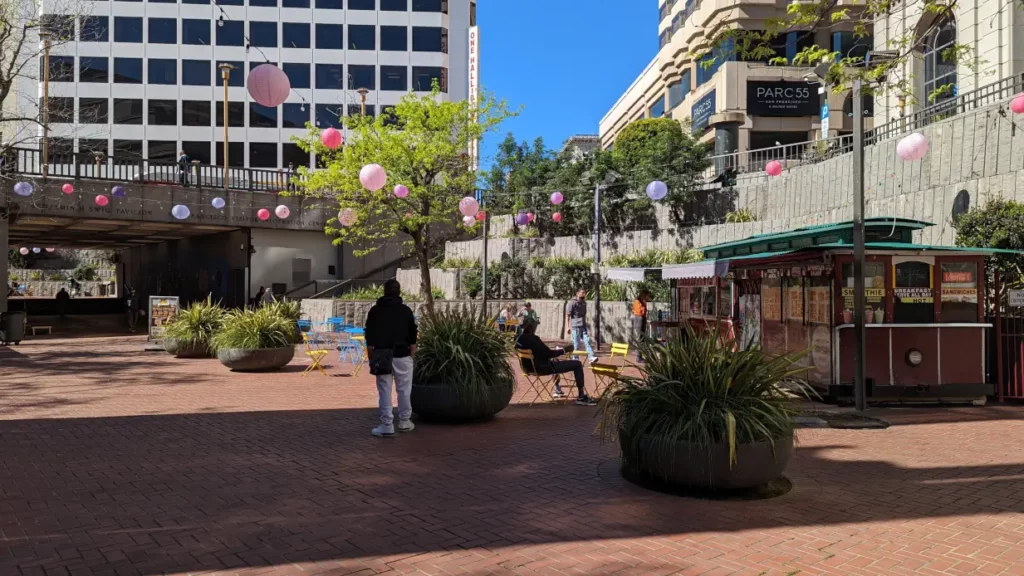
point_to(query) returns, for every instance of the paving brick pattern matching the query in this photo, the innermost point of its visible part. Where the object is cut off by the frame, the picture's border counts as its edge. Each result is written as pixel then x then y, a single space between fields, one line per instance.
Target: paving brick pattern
pixel 116 461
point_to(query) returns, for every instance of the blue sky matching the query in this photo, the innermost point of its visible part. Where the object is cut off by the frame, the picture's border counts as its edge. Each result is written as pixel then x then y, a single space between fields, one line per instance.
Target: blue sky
pixel 565 61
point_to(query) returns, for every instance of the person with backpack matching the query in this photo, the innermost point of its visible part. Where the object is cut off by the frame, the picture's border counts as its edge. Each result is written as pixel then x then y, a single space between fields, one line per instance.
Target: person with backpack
pixel 390 345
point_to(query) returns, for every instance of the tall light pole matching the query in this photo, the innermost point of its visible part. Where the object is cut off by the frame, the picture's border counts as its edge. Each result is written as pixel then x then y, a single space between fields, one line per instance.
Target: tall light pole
pixel 362 100
pixel 44 35
pixel 597 265
pixel 225 74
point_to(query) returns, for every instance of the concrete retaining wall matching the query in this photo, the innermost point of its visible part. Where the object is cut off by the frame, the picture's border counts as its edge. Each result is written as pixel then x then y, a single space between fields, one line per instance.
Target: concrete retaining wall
pixel 615 316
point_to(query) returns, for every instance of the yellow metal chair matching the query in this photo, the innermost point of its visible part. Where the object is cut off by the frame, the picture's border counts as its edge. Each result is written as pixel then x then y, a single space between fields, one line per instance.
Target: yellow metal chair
pixel 315 353
pixel 360 342
pixel 606 373
pixel 540 384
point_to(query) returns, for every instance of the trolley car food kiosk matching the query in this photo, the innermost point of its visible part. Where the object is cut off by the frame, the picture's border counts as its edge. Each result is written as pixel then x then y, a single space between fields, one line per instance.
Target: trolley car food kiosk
pixel 793 291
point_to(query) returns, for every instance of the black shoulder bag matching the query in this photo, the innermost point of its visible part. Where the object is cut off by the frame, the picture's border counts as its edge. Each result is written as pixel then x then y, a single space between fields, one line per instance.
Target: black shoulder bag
pixel 380 361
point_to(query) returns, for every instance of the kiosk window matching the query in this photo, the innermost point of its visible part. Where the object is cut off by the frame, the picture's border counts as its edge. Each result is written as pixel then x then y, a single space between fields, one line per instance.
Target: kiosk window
pixel 708 306
pixel 913 300
pixel 771 299
pixel 959 292
pixel 725 300
pixel 795 299
pixel 819 300
pixel 874 285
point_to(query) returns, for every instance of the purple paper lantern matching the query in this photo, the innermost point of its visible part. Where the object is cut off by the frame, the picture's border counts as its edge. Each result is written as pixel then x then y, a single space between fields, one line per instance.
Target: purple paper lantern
pixel 23 189
pixel 118 192
pixel 268 85
pixel 522 219
pixel 657 190
pixel 557 198
pixel 401 191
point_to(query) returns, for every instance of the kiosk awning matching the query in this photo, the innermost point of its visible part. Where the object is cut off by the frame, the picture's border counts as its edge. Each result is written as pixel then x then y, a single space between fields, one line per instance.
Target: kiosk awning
pixel 632 274
pixel 705 269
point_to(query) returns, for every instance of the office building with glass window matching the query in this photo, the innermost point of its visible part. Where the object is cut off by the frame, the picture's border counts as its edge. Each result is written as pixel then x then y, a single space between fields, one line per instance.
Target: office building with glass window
pixel 739 103
pixel 141 78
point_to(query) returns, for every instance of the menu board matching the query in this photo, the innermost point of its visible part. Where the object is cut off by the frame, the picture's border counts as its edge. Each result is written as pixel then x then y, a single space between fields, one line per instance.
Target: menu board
pixel 969 295
pixel 959 283
pixel 819 305
pixel 161 310
pixel 771 301
pixel 795 303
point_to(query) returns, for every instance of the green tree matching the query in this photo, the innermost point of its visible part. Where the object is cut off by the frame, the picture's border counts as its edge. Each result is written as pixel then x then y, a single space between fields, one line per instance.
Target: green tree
pixel 520 169
pixel 421 143
pixel 999 224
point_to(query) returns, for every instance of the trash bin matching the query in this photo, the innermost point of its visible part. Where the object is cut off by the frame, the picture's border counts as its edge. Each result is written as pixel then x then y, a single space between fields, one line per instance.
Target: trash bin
pixel 12 327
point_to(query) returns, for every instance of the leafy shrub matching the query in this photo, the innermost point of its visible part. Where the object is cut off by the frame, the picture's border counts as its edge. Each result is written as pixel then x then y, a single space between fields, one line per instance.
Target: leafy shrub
pixel 12 277
pixel 57 277
pixel 459 348
pixel 290 309
pixel 654 258
pixel 700 389
pixel 195 325
pixel 36 275
pixel 256 329
pixel 739 216
pixel 567 275
pixel 375 291
pixel 84 273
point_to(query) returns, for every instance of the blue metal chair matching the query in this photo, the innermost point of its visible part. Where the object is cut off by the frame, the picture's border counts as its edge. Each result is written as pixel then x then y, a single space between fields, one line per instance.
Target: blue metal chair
pixel 349 349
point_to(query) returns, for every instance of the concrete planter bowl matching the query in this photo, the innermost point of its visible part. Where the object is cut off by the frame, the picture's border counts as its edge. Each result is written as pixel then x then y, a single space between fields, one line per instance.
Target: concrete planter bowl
pixel 259 360
pixel 443 403
pixel 695 466
pixel 180 349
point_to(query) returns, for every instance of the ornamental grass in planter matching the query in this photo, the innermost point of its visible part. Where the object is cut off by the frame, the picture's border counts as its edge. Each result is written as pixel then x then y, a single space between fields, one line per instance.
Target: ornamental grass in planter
pixel 705 415
pixel 254 340
pixel 461 368
pixel 188 334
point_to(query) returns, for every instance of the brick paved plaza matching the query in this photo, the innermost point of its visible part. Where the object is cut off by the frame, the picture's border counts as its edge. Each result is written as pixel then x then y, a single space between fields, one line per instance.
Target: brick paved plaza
pixel 113 460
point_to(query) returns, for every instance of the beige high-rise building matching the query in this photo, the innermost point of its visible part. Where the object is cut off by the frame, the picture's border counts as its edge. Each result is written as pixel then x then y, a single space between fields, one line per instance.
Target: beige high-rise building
pixel 740 105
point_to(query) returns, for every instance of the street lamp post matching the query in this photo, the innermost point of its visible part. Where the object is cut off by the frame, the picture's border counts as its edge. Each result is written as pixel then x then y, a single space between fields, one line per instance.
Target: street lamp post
pixel 225 74
pixel 597 265
pixel 44 35
pixel 362 100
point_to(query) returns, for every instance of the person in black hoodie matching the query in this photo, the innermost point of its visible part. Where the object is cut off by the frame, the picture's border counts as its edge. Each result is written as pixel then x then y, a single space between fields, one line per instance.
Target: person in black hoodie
pixel 544 358
pixel 391 325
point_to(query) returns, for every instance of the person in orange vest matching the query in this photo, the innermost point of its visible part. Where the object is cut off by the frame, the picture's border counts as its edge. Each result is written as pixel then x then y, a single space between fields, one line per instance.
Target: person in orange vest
pixel 640 320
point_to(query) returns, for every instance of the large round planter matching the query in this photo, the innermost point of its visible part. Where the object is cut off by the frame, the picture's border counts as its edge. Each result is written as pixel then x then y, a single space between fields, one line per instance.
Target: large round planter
pixel 182 350
pixel 442 403
pixel 241 360
pixel 706 467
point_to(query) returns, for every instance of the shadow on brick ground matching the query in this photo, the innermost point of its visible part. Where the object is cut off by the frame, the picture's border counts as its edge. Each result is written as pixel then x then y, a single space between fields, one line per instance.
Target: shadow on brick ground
pixel 196 492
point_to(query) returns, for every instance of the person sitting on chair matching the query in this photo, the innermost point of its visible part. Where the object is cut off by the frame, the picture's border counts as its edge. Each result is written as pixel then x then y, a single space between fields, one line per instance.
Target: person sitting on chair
pixel 545 363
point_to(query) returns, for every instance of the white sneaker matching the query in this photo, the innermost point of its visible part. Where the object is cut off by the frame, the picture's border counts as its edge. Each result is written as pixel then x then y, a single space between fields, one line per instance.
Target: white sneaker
pixel 383 431
pixel 405 426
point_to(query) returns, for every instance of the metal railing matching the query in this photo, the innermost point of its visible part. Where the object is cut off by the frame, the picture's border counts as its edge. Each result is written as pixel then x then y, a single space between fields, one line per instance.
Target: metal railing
pixel 814 151
pixel 89 166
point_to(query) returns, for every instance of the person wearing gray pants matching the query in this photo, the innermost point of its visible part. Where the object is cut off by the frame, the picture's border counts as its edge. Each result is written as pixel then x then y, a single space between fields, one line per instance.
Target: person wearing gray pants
pixel 639 319
pixel 390 325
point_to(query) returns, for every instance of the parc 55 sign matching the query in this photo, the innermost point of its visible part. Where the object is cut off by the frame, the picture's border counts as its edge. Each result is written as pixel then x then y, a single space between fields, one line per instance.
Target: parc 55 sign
pixel 781 98
pixel 701 112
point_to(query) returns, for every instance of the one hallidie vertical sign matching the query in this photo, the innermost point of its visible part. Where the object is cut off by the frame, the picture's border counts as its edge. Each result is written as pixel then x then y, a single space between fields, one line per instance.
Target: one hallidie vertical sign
pixel 474 88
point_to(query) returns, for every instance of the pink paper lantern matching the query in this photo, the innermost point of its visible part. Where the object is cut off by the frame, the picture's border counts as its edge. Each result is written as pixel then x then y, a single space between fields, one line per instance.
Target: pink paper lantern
pixel 530 216
pixel 469 206
pixel 331 138
pixel 1017 104
pixel 50 249
pixel 67 188
pixel 263 214
pixel 373 177
pixel 102 200
pixel 347 217
pixel 468 221
pixel 773 168
pixel 268 85
pixel 282 212
pixel 401 191
pixel 557 198
pixel 481 216
pixel 912 147
pixel 23 251
pixel 557 217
